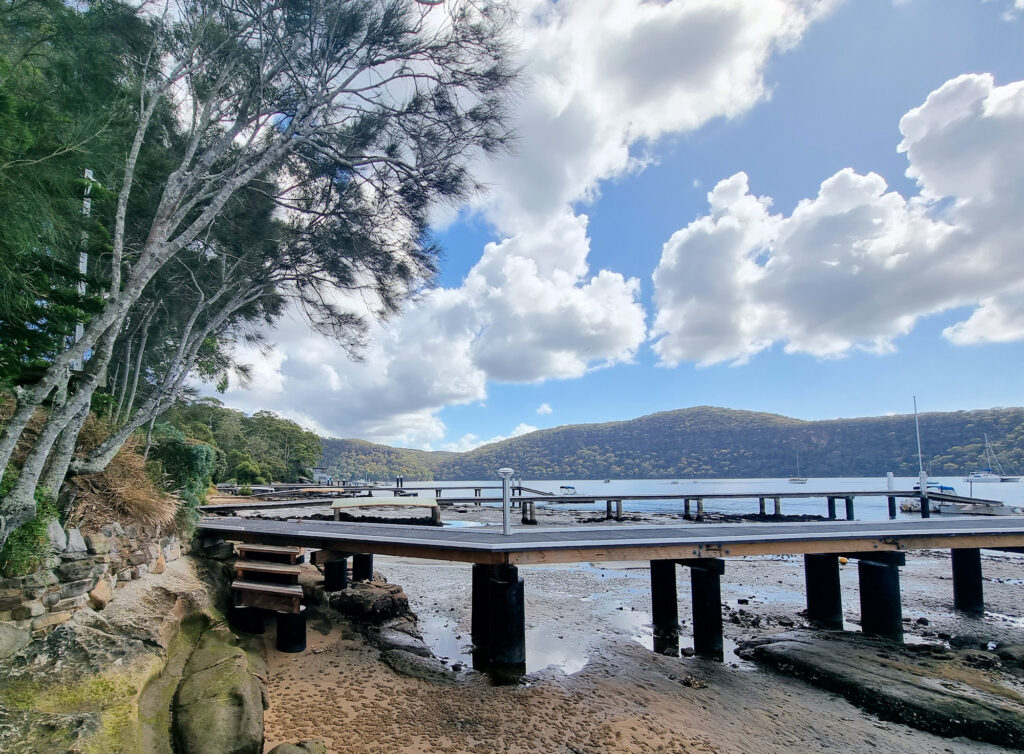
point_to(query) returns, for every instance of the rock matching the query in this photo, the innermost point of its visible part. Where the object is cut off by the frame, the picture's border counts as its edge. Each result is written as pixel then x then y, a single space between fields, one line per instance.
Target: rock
pixel 100 595
pixel 218 708
pixel 139 571
pixel 50 619
pixel 71 603
pixel 76 588
pixel 159 565
pixel 216 549
pixel 12 639
pixel 112 529
pixel 97 544
pixel 76 543
pixel 58 539
pixel 78 569
pixel 900 686
pixel 315 746
pixel 967 641
pixel 1011 654
pixel 389 638
pixel 172 549
pixel 370 601
pixel 415 666
pixel 138 558
pixel 28 610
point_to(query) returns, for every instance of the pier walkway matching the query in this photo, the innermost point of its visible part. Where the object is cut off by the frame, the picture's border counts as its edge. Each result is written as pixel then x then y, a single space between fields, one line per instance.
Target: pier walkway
pixel 498 608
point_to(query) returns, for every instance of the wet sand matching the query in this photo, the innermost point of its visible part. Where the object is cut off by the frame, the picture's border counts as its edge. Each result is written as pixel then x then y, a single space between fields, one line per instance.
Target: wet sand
pixel 594 684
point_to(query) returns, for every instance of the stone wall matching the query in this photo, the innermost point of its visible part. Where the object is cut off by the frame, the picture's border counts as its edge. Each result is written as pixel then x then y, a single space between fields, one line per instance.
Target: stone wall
pixel 82 571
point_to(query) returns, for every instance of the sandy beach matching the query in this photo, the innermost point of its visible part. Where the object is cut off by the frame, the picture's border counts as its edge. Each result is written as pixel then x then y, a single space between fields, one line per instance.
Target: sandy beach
pixel 593 682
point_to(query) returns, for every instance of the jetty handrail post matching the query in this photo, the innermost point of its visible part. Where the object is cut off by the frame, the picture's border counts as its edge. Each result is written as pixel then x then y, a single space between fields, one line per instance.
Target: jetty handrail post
pixel 506 523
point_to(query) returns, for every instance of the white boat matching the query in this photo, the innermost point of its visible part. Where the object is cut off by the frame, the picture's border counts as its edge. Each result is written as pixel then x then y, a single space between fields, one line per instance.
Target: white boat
pixel 798 479
pixel 987 475
pixel 978 509
pixel 567 489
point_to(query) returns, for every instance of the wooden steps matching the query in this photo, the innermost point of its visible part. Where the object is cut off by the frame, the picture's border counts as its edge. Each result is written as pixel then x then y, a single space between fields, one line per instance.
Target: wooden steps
pixel 268 577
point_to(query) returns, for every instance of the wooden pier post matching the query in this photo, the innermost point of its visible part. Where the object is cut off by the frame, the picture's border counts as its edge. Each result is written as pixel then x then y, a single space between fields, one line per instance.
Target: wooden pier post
pixel 686 507
pixel 437 492
pixel 336 574
pixel 607 509
pixel 778 506
pixel 761 506
pixel 892 507
pixel 291 632
pixel 533 511
pixel 968 592
pixel 507 613
pixel 664 600
pixel 926 507
pixel 849 509
pixel 337 514
pixel 831 509
pixel 476 492
pixel 824 597
pixel 700 509
pixel 435 514
pixel 618 510
pixel 250 620
pixel 479 621
pixel 706 593
pixel 881 611
pixel 362 567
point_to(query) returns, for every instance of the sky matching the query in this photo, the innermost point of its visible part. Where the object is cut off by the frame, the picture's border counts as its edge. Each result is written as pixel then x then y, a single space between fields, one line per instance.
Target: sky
pixel 814 209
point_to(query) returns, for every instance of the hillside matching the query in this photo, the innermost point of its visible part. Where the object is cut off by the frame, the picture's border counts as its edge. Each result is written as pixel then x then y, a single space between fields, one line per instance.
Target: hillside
pixel 713 442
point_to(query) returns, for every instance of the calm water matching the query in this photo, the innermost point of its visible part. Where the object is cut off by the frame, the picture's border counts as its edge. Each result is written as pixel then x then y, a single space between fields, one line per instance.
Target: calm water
pixel 867 508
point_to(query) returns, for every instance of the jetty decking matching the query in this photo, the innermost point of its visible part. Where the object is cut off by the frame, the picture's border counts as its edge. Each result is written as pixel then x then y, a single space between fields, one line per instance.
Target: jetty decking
pixel 498 608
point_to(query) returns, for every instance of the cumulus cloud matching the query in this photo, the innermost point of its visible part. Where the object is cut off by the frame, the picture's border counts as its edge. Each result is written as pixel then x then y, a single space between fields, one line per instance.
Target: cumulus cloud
pixel 470 441
pixel 544 409
pixel 605 79
pixel 859 264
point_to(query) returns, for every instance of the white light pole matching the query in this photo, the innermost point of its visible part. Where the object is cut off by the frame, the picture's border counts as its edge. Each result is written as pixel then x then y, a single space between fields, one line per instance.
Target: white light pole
pixel 506 524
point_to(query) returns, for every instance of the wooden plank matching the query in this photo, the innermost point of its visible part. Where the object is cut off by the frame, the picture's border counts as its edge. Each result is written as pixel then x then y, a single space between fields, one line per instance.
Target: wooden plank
pixel 371 502
pixel 291 590
pixel 263 566
pixel 271 549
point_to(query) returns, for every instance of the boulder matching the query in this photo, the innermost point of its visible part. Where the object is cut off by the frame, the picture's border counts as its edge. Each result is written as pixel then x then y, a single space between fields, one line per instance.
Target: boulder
pixel 50 619
pixel 98 543
pixel 159 565
pixel 76 543
pixel 58 539
pixel 218 708
pixel 370 601
pixel 389 638
pixel 100 595
pixel 28 610
pixel 12 639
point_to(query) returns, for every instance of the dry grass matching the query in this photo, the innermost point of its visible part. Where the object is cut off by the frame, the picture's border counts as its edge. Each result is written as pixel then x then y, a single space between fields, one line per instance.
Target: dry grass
pixel 124 492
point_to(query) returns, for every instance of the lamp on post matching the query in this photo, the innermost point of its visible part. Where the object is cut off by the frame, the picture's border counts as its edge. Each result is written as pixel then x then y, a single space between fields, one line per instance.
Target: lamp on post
pixel 506 524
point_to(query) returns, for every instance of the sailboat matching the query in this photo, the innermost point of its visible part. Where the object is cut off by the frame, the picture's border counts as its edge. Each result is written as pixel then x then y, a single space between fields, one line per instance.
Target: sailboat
pixel 798 479
pixel 987 475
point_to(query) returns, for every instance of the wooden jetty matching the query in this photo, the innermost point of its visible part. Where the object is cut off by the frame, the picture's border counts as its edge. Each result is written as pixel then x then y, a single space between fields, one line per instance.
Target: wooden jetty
pixel 498 613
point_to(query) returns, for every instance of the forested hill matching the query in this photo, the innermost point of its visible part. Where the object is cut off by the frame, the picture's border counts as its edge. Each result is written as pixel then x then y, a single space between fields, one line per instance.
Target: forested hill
pixel 718 442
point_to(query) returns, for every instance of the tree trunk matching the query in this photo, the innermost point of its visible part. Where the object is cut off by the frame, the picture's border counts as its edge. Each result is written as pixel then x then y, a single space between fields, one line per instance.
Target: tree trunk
pixel 63 452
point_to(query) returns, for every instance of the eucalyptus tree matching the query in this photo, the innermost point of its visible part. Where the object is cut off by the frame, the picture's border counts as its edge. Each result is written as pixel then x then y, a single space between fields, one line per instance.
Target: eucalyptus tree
pixel 362 115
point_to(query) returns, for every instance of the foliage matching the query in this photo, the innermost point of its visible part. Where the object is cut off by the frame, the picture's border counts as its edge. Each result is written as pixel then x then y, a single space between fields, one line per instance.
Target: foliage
pixel 254 449
pixel 706 442
pixel 358 459
pixel 188 467
pixel 28 546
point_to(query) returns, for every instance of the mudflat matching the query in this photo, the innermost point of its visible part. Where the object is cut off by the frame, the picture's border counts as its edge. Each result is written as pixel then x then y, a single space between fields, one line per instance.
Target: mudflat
pixel 594 683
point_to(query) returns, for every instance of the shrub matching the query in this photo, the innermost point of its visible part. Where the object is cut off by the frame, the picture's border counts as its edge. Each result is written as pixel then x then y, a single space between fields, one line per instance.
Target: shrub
pixel 245 490
pixel 188 467
pixel 28 545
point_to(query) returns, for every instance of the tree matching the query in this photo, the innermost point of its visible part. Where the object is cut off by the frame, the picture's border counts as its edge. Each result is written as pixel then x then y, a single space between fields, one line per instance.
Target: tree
pixel 358 116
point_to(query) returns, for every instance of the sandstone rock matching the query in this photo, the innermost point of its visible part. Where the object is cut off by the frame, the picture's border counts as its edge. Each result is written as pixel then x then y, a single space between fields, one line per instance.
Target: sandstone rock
pixel 50 619
pixel 58 539
pixel 389 638
pixel 139 571
pixel 1011 654
pixel 71 603
pixel 138 558
pixel 171 549
pixel 314 746
pixel 125 575
pixel 27 610
pixel 76 588
pixel 900 685
pixel 370 601
pixel 75 570
pixel 12 639
pixel 112 529
pixel 98 543
pixel 159 565
pixel 218 708
pixel 427 668
pixel 100 595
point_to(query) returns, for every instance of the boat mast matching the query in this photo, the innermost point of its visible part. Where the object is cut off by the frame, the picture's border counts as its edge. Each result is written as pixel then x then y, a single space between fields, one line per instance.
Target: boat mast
pixel 922 477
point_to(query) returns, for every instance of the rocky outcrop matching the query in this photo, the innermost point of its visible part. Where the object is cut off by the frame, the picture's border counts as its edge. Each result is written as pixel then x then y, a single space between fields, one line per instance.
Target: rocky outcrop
pixel 218 706
pixel 315 746
pixel 950 693
pixel 369 601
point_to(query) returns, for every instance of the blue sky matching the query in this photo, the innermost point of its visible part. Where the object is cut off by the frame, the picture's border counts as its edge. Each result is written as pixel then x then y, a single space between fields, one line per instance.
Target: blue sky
pixel 603 183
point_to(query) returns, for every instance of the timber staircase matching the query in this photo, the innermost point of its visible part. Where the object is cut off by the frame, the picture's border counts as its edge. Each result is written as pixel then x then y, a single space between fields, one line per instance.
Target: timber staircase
pixel 267 580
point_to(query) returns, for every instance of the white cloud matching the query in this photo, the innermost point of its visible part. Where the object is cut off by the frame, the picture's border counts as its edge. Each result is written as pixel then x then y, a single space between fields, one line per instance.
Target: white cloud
pixel 470 441
pixel 858 265
pixel 605 79
pixel 544 409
